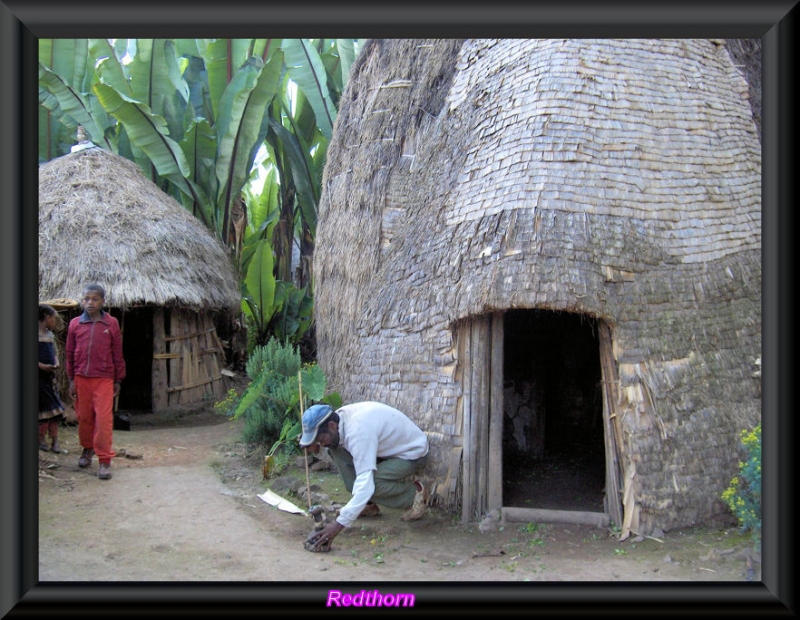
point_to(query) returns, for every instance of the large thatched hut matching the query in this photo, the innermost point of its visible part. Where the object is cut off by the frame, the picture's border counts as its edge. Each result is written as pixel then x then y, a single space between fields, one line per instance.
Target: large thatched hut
pixel 548 253
pixel 168 280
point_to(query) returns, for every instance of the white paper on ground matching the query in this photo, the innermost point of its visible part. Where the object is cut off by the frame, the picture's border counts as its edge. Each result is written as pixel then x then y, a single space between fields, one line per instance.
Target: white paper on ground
pixel 282 504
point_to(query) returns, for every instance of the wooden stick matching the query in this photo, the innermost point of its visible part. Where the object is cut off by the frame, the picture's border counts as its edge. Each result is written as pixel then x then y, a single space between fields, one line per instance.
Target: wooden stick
pixel 305 448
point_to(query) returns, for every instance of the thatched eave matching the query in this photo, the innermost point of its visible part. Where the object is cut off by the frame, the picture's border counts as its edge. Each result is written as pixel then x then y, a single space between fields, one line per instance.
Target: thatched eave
pixel 101 220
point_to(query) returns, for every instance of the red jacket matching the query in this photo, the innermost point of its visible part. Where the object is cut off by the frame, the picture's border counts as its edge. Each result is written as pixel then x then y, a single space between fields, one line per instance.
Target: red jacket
pixel 94 348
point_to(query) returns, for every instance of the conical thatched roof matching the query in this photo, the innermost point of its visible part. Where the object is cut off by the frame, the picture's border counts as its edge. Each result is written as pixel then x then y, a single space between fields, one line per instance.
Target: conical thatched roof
pixel 459 165
pixel 101 220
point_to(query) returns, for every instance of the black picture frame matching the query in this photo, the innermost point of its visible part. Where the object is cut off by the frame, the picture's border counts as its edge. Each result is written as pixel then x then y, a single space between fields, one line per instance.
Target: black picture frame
pixel 23 22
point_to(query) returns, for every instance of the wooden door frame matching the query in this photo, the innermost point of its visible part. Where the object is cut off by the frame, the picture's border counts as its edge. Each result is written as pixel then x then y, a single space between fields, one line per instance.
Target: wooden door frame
pixel 481 351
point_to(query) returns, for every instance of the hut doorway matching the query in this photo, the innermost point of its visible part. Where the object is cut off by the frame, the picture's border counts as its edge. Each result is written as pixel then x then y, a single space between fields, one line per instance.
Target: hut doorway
pixel 553 444
pixel 137 349
pixel 538 443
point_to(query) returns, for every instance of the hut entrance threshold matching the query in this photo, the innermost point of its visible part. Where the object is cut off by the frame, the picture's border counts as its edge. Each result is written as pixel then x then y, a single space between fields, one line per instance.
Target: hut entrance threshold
pixel 535 440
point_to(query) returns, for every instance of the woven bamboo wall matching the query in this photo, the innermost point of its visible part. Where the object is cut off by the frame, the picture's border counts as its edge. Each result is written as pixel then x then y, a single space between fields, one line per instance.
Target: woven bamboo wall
pixel 187 359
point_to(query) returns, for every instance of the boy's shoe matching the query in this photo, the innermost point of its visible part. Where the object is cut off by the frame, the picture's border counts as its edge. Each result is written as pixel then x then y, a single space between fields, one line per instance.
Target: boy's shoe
pixel 55 447
pixel 86 458
pixel 44 447
pixel 104 472
pixel 370 510
pixel 417 510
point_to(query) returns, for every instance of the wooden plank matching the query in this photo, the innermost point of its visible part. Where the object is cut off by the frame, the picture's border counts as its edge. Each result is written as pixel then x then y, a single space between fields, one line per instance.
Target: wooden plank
pixel 194 334
pixel 193 385
pixel 456 467
pixel 186 375
pixel 465 350
pixel 495 471
pixel 193 356
pixel 474 415
pixel 196 370
pixel 160 398
pixel 481 424
pixel 172 325
pixel 213 363
pixel 541 515
pixel 452 472
pixel 612 433
pixel 203 352
pixel 184 378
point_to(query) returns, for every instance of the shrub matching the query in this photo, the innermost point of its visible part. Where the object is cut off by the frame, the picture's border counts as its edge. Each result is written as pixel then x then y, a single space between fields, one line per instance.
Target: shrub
pixel 271 404
pixel 743 495
pixel 268 400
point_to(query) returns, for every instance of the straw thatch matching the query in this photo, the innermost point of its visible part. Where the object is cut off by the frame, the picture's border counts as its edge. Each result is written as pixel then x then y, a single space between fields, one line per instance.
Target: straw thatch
pixel 101 220
pixel 169 281
pixel 614 179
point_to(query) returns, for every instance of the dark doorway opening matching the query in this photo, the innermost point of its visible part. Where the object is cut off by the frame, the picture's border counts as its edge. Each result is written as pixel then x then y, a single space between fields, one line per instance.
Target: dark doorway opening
pixel 137 349
pixel 553 446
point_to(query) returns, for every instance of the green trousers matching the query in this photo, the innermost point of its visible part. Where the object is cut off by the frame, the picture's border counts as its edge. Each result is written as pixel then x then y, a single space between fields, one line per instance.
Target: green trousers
pixel 394 487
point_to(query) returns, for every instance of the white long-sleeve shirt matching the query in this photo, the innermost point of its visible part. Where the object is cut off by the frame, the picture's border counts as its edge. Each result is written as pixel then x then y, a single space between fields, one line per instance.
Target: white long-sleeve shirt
pixel 368 431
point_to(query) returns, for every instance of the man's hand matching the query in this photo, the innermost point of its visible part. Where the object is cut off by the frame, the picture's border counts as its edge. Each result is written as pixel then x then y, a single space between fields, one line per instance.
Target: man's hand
pixel 322 539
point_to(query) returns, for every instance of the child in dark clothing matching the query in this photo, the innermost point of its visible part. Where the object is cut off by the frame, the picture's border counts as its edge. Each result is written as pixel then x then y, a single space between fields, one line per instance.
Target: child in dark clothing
pixel 95 368
pixel 51 409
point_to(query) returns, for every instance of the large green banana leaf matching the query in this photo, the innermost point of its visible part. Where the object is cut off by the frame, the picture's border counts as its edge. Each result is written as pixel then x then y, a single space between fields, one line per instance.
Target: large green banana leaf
pixel 73 105
pixel 222 58
pixel 156 80
pixel 338 56
pixel 348 50
pixel 199 144
pixel 307 70
pixel 301 170
pixel 55 137
pixel 259 296
pixel 264 214
pixel 314 383
pixel 265 208
pixel 264 48
pixel 296 312
pixel 108 68
pixel 251 394
pixel 148 132
pixel 67 58
pixel 241 126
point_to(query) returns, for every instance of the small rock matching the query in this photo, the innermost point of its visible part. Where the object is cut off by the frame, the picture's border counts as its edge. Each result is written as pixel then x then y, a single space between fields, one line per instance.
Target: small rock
pixel 283 484
pixel 317 498
pixel 490 522
pixel 302 461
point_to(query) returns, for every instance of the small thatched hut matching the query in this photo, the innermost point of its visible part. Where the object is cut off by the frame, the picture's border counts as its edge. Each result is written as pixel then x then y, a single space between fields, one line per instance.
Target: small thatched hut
pixel 168 280
pixel 548 253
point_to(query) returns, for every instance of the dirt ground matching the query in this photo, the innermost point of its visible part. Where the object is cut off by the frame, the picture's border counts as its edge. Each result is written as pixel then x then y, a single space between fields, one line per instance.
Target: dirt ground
pixel 183 506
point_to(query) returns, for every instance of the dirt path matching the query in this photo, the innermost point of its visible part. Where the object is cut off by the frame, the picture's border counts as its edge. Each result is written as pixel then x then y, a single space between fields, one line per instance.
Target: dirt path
pixel 188 510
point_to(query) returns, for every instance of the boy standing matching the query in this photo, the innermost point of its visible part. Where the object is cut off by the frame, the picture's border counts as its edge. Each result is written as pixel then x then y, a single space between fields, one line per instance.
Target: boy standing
pixel 95 368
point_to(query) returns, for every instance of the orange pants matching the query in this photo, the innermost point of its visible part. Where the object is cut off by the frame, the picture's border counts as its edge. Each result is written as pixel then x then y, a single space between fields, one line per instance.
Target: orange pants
pixel 94 408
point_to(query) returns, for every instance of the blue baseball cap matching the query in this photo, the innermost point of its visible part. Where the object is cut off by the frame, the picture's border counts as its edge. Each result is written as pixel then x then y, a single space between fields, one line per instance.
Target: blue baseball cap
pixel 313 418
